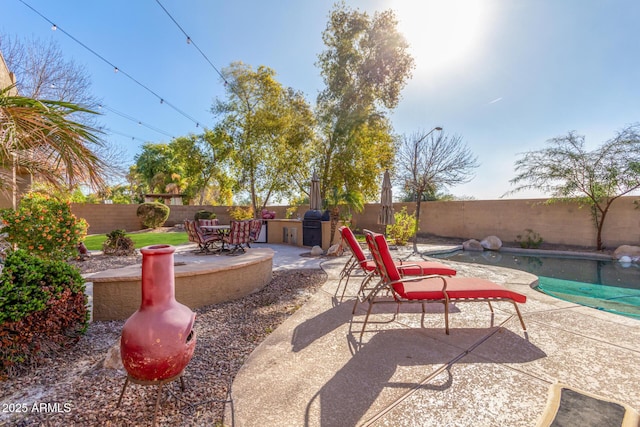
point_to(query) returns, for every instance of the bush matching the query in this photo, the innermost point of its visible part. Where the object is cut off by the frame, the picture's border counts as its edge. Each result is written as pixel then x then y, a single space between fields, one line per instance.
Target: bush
pixel 42 309
pixel 404 228
pixel 240 213
pixel 118 244
pixel 531 240
pixel 45 227
pixel 202 214
pixel 152 214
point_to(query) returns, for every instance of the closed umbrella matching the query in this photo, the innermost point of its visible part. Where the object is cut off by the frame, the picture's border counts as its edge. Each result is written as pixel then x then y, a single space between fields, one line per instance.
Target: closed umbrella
pixel 315 201
pixel 386 202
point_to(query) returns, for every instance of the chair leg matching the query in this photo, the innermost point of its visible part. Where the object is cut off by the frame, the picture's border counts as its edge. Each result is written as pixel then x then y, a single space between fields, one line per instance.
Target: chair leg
pixel 524 328
pixel 366 319
pixel 446 316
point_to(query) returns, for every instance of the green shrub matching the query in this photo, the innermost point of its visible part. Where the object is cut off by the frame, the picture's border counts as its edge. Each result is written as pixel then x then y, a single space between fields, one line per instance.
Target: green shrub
pixel 152 214
pixel 118 244
pixel 531 240
pixel 202 214
pixel 45 227
pixel 404 228
pixel 42 309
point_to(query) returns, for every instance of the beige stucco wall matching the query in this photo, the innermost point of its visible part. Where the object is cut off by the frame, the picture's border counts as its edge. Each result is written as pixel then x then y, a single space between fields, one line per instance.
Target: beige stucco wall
pixel 561 223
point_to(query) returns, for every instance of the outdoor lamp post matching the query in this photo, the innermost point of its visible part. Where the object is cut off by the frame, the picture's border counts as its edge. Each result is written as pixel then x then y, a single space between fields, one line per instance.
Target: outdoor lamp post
pixel 430 132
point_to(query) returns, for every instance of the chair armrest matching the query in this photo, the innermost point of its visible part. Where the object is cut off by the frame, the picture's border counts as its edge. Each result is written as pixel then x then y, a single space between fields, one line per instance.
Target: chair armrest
pixel 416 278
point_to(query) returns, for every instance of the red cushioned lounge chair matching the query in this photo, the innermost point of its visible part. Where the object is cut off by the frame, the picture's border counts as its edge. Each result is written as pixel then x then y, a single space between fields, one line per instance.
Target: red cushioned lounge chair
pixel 430 288
pixel 368 266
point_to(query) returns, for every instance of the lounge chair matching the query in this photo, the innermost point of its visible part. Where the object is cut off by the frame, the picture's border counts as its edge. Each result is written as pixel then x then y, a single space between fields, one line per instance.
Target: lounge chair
pixel 430 288
pixel 368 266
pixel 204 241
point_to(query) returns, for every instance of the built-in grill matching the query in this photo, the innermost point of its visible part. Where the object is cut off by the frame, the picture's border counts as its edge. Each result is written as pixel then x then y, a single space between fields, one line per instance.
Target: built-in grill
pixel 312 228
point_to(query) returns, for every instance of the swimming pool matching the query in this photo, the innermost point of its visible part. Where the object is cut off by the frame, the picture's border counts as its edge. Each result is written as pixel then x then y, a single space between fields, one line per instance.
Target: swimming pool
pixel 602 284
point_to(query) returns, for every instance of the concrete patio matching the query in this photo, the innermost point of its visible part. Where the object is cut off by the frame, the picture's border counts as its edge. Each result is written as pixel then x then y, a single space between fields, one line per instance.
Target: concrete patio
pixel 314 370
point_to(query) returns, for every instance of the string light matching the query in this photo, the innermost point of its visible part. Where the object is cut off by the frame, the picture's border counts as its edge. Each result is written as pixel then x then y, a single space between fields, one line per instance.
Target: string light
pixel 116 69
pixel 54 27
pixel 139 122
pixel 190 41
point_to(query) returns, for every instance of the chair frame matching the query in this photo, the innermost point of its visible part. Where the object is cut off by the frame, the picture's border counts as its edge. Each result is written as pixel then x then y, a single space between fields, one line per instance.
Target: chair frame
pixel 368 266
pixel 391 282
pixel 239 240
pixel 204 241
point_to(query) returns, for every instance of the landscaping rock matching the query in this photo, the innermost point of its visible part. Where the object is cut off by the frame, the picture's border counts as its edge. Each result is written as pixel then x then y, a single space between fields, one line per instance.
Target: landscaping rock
pixel 492 243
pixel 316 251
pixel 335 250
pixel 113 359
pixel 633 252
pixel 472 245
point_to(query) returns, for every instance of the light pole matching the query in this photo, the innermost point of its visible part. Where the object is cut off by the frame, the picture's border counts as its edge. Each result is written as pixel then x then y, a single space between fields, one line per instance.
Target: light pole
pixel 419 193
pixel 429 133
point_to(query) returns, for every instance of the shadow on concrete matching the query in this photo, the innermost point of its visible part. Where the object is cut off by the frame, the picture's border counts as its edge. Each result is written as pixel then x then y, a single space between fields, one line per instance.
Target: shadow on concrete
pixel 395 362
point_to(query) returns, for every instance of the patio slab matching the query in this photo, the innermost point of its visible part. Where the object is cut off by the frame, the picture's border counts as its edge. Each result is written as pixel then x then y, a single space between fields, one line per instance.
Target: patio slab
pixel 314 370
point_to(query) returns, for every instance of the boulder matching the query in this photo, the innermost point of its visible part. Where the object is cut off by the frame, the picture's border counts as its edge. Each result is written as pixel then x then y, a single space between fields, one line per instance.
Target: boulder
pixel 492 243
pixel 472 245
pixel 113 359
pixel 627 250
pixel 335 250
pixel 633 252
pixel 316 251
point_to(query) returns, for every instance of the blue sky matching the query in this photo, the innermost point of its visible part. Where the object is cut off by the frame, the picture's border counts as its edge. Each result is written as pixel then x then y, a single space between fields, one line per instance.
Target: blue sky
pixel 505 75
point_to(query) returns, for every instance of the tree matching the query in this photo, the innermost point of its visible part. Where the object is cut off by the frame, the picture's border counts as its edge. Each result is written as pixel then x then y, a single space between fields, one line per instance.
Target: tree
pixel 365 66
pixel 155 167
pixel 201 159
pixel 39 137
pixel 567 171
pixel 42 72
pixel 428 163
pixel 268 127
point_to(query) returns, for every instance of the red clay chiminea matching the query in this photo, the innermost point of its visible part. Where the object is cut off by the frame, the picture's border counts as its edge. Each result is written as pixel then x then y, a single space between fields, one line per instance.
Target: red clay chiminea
pixel 158 340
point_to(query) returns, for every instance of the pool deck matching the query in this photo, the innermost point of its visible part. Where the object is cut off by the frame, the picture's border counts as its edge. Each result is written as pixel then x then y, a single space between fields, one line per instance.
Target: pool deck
pixel 314 370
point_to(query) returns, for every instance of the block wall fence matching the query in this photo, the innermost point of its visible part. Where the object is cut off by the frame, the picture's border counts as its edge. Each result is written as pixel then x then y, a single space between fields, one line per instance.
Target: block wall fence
pixel 558 223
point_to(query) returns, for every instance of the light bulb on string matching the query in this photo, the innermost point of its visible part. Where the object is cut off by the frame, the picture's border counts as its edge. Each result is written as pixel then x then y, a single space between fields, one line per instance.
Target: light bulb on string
pixel 188 40
pixel 54 27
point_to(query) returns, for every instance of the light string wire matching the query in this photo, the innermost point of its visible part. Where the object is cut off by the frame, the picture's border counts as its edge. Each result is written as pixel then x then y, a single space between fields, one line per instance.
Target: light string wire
pixel 190 41
pixel 116 69
pixel 133 119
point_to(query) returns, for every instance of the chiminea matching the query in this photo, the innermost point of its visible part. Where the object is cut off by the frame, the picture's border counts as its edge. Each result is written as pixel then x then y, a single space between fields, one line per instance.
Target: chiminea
pixel 158 340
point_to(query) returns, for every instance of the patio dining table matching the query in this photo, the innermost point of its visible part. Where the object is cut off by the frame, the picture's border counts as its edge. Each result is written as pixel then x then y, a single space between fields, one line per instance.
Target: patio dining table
pixel 223 230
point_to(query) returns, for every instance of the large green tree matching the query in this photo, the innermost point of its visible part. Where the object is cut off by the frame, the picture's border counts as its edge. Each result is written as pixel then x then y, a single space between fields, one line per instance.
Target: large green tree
pixel 269 129
pixel 365 66
pixel 202 160
pixel 567 171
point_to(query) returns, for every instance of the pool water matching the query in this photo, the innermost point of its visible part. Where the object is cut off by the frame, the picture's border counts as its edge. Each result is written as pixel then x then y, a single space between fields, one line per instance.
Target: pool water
pixel 605 285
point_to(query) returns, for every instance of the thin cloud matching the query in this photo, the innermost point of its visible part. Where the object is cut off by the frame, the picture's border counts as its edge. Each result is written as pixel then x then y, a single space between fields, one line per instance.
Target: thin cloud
pixel 495 100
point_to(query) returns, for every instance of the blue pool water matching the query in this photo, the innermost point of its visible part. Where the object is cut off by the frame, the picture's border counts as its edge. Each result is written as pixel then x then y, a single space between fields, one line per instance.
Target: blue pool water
pixel 605 285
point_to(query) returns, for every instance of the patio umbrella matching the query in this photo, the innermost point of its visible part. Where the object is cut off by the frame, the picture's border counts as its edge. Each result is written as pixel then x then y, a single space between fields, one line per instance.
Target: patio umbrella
pixel 386 201
pixel 315 202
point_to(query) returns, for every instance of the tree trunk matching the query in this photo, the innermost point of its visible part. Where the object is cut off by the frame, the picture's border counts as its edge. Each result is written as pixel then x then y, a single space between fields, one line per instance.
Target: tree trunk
pixel 417 226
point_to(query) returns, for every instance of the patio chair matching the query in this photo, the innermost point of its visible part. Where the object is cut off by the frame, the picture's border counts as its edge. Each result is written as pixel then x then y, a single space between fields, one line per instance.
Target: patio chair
pixel 208 222
pixel 430 288
pixel 368 266
pixel 204 241
pixel 238 236
pixel 254 230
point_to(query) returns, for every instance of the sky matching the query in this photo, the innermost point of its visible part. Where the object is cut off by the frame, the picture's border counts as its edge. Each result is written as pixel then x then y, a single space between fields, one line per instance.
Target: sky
pixel 504 75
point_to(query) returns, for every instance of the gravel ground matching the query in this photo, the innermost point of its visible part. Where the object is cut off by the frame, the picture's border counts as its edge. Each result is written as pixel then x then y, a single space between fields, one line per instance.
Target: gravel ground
pixel 81 391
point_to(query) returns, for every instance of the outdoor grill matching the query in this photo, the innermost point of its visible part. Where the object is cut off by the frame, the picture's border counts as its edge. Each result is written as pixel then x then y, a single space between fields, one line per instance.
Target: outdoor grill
pixel 312 228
